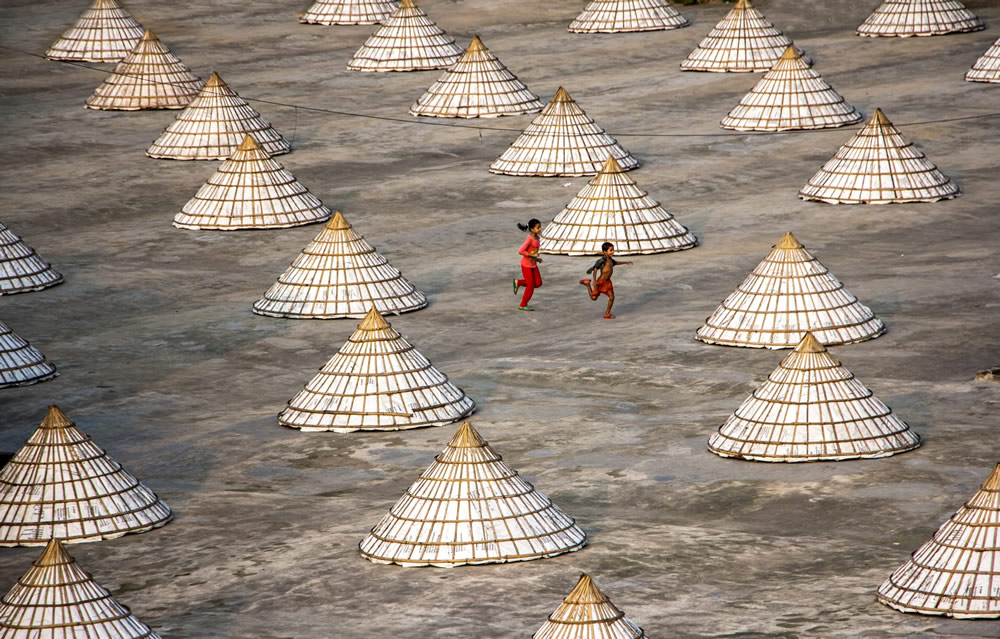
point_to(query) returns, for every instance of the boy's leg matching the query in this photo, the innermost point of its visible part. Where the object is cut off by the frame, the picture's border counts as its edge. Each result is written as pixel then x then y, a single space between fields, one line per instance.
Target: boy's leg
pixel 590 291
pixel 611 302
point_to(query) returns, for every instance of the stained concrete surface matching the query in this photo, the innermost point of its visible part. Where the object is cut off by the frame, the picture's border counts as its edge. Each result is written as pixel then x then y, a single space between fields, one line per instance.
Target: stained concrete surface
pixel 163 363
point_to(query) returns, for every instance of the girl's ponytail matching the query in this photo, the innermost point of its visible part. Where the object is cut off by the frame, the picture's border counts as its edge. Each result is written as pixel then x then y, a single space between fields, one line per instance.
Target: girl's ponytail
pixel 532 223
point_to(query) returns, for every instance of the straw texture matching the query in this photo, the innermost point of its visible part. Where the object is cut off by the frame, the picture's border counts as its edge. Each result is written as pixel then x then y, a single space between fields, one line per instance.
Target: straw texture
pixel 957 572
pixel 105 32
pixel 406 41
pixel 57 599
pixel 587 613
pixel 21 268
pixel 785 295
pixel 617 16
pixel 469 507
pixel 377 381
pixel 790 96
pixel 20 362
pixel 561 141
pixel 742 42
pixel 612 208
pixel 904 18
pixel 150 77
pixel 214 125
pixel 986 68
pixel 61 485
pixel 339 274
pixel 348 11
pixel 811 408
pixel 477 86
pixel 878 166
pixel 251 191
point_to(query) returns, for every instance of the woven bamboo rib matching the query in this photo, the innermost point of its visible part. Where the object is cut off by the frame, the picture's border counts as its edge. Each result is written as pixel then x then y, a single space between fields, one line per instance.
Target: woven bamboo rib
pixel 469 507
pixel 612 208
pixel 743 41
pixel 618 16
pixel 105 32
pixel 587 613
pixel 377 381
pixel 150 77
pixel 20 362
pixel 561 141
pixel 811 408
pixel 957 572
pixel 904 18
pixel 790 96
pixel 330 12
pixel 21 268
pixel 786 295
pixel 878 166
pixel 57 599
pixel 251 191
pixel 338 275
pixel 477 86
pixel 61 485
pixel 214 125
pixel 406 41
pixel 986 68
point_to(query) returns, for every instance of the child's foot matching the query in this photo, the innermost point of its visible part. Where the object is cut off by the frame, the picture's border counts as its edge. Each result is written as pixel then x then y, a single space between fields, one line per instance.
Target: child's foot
pixel 525 308
pixel 609 316
pixel 585 282
pixel 515 286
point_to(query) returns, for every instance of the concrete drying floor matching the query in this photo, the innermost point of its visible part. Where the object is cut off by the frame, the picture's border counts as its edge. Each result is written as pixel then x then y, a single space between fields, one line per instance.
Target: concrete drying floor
pixel 163 363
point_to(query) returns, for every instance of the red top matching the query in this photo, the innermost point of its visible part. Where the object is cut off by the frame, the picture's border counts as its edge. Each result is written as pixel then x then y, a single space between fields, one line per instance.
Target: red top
pixel 530 244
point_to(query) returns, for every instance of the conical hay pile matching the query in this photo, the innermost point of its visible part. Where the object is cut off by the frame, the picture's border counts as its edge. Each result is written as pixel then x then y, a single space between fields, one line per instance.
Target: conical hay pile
pixel 214 125
pixel 21 268
pixel 904 18
pixel 743 41
pixel 61 485
pixel 349 11
pixel 561 141
pixel 20 362
pixel 377 381
pixel 150 77
pixel 957 572
pixel 811 408
pixel 251 191
pixel 105 32
pixel 477 86
pixel 469 507
pixel 612 208
pixel 617 16
pixel 878 166
pixel 786 295
pixel 339 274
pixel 587 613
pixel 56 599
pixel 791 96
pixel 986 68
pixel 406 41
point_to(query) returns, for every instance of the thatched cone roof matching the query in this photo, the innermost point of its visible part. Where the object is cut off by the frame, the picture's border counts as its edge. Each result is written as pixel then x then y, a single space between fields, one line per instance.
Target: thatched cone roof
pixel 349 11
pixel 20 362
pixel 105 32
pixel 406 41
pixel 904 18
pixel 619 16
pixel 587 613
pixel 743 41
pixel 21 268
pixel 987 67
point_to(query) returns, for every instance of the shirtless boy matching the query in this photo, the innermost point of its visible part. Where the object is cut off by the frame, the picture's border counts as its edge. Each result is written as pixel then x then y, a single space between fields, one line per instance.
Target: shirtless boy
pixel 604 267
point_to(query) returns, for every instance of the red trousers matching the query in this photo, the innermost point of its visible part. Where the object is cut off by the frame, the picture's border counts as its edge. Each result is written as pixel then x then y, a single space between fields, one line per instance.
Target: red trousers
pixel 532 280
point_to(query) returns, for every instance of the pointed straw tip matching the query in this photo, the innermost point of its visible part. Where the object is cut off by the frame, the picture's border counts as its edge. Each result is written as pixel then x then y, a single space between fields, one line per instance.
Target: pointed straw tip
pixel 407 4
pixel 562 96
pixel 992 482
pixel 53 555
pixel 788 241
pixel 611 165
pixel 373 321
pixel 249 144
pixel 214 80
pixel 809 344
pixel 55 418
pixel 337 222
pixel 790 53
pixel 879 118
pixel 148 36
pixel 476 44
pixel 467 437
pixel 585 592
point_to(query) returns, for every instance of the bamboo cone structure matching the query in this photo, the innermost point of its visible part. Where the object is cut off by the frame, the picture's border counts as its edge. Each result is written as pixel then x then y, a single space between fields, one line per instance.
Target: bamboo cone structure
pixel 987 67
pixel 105 32
pixel 477 86
pixel 406 41
pixel 61 485
pixel 904 18
pixel 150 77
pixel 620 16
pixel 957 572
pixel 21 268
pixel 612 208
pixel 744 41
pixel 56 599
pixel 377 381
pixel 587 613
pixel 788 294
pixel 561 141
pixel 791 96
pixel 251 191
pixel 338 275
pixel 878 166
pixel 329 12
pixel 213 126
pixel 20 362
pixel 469 507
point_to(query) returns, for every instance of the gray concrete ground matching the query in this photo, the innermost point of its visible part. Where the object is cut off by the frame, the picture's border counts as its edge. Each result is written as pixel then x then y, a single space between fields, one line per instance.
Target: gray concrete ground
pixel 163 363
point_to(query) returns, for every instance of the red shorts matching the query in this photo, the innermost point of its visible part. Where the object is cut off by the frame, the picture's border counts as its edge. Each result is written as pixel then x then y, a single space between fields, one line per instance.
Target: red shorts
pixel 605 287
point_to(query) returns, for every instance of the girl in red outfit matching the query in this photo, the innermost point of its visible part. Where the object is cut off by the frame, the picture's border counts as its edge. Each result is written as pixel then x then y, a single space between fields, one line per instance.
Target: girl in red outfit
pixel 529 263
